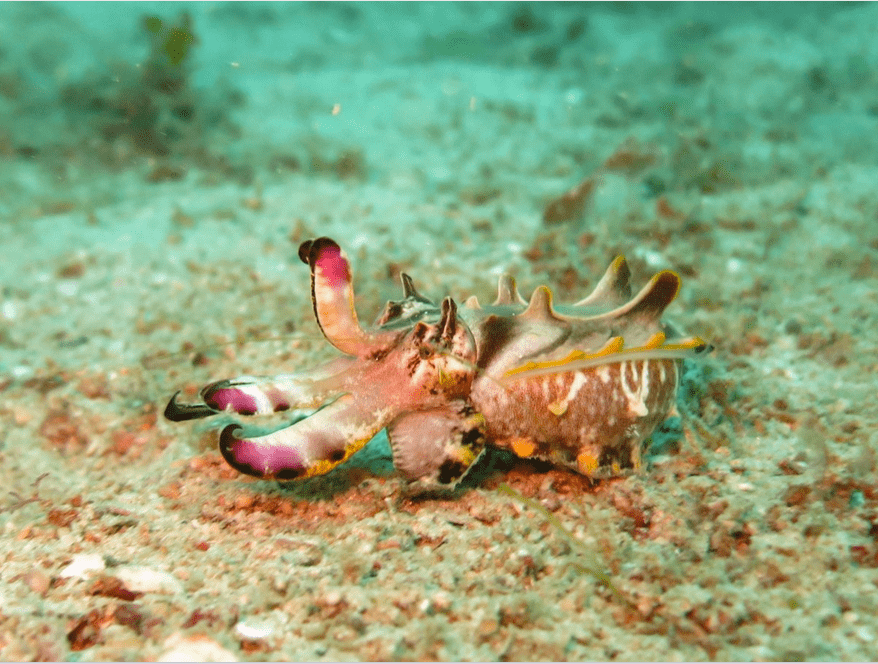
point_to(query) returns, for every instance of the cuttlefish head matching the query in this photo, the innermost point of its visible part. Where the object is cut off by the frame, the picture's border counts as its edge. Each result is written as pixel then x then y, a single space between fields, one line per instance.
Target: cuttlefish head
pixel 437 360
pixel 393 371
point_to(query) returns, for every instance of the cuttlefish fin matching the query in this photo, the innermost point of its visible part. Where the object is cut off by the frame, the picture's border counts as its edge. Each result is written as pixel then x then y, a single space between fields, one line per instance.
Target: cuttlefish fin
pixel 312 446
pixel 613 289
pixel 507 292
pixel 657 347
pixel 437 447
pixel 647 306
pixel 332 294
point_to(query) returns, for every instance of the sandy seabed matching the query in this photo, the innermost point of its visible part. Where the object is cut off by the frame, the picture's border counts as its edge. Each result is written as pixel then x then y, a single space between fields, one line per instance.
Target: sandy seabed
pixel 149 245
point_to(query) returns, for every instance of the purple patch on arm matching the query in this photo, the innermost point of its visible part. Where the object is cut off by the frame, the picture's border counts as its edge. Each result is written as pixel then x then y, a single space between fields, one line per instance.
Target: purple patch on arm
pixel 239 401
pixel 333 266
pixel 267 459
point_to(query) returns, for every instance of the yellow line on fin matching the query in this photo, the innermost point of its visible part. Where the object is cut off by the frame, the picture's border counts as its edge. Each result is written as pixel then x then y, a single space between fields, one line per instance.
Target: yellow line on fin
pixel 655 341
pixel 613 346
pixel 691 343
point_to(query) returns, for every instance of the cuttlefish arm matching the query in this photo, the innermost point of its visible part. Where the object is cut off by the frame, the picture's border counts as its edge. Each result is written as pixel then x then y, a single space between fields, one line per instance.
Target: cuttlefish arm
pixel 332 294
pixel 437 447
pixel 257 395
pixel 312 446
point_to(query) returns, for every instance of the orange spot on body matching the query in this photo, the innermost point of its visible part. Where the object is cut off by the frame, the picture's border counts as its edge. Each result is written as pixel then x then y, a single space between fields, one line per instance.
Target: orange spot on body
pixel 523 447
pixel 588 463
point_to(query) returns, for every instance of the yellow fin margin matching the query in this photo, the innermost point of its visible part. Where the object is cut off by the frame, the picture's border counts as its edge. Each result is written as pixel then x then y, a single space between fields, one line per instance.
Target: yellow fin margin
pixel 614 350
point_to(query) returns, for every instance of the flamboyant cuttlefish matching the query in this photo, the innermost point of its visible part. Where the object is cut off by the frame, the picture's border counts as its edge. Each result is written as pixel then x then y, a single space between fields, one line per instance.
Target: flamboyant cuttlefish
pixel 581 386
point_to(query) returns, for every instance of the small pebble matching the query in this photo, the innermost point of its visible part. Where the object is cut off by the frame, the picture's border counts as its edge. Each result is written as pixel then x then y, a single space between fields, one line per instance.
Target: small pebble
pixel 146 580
pixel 243 501
pixel 38 581
pixel 194 648
pixel 254 630
pixel 83 564
pixel 333 598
